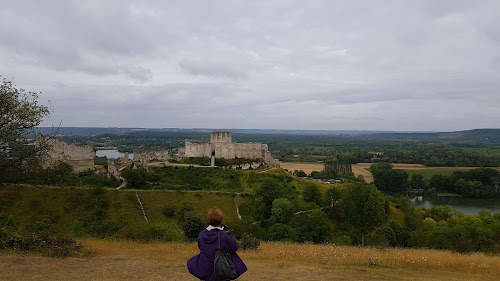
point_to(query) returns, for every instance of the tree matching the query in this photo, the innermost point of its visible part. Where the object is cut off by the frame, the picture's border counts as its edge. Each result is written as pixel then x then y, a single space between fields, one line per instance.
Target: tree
pixel 312 226
pixel 281 232
pixel 282 210
pixel 379 167
pixel 136 178
pixel 391 181
pixel 365 208
pixel 264 197
pixel 20 113
pixel 336 168
pixel 417 181
pixel 311 193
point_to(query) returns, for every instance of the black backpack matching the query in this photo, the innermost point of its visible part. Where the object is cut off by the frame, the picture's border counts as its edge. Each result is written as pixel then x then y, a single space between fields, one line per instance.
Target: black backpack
pixel 223 264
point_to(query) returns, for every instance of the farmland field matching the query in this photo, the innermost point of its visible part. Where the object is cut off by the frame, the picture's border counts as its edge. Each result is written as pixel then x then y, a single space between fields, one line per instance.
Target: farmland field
pixel 304 166
pixel 362 169
pixel 120 260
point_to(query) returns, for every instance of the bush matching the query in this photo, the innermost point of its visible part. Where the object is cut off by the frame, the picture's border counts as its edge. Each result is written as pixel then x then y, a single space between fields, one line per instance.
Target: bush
pixel 37 237
pixel 301 174
pixel 136 178
pixel 163 232
pixel 168 211
pixel 249 242
pixel 192 226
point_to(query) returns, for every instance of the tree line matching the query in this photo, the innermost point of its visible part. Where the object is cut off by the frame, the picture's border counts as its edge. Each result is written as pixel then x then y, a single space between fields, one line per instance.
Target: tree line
pixel 475 183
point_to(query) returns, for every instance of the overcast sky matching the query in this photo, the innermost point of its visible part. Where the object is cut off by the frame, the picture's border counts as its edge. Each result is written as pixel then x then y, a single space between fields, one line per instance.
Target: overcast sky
pixel 372 65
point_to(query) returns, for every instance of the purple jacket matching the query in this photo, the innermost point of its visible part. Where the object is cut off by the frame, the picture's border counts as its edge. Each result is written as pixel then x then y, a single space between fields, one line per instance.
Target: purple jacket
pixel 202 265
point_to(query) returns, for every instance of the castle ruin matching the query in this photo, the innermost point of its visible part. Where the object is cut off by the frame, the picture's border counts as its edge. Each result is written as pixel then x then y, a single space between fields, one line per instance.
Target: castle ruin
pixel 80 157
pixel 221 146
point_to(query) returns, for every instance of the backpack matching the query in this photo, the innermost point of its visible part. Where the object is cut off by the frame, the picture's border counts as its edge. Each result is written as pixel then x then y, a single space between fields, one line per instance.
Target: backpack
pixel 223 264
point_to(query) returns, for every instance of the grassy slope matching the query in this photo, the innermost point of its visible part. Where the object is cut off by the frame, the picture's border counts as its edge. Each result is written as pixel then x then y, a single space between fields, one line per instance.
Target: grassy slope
pixel 118 260
pixel 28 204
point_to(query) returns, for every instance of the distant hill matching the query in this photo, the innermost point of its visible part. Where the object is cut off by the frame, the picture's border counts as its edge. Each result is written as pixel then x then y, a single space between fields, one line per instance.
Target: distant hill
pixel 94 131
pixel 476 135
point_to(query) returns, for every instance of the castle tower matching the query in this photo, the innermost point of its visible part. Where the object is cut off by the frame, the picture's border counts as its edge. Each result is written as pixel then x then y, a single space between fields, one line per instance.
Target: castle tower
pixel 221 136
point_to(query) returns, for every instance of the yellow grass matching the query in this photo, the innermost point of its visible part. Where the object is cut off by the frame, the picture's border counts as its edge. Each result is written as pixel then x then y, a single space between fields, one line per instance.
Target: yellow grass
pixel 118 260
pixel 304 166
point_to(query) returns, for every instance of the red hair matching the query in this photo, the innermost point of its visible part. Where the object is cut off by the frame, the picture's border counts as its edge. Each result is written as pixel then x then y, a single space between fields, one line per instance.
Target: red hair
pixel 215 217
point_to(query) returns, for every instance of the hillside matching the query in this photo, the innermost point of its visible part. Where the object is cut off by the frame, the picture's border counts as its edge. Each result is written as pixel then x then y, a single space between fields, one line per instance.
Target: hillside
pixel 115 260
pixel 110 213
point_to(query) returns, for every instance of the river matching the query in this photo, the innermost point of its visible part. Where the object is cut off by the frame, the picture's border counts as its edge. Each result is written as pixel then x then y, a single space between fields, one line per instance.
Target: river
pixel 112 153
pixel 464 205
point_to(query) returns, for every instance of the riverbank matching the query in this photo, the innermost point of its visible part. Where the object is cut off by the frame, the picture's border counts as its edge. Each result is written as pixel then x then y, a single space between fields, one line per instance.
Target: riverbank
pixel 119 260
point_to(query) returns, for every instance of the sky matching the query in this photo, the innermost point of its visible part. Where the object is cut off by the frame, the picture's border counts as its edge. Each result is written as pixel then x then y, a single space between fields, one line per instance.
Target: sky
pixel 330 65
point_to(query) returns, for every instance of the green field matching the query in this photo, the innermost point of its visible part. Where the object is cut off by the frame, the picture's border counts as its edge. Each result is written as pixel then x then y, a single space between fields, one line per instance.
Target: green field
pixel 427 173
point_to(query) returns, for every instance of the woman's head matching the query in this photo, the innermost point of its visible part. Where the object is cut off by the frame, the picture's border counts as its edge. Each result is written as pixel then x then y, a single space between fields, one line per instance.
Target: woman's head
pixel 215 217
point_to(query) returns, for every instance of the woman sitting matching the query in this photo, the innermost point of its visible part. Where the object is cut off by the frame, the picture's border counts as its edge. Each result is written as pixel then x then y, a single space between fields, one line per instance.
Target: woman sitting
pixel 202 265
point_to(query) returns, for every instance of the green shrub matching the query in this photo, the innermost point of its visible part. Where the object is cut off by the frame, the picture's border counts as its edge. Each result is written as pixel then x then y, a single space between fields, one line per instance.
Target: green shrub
pixel 249 242
pixel 37 237
pixel 192 226
pixel 168 211
pixel 164 232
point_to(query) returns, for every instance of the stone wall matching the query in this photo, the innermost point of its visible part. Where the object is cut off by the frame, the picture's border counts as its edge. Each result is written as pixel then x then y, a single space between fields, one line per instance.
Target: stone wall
pixel 148 156
pixel 80 157
pixel 114 168
pixel 197 149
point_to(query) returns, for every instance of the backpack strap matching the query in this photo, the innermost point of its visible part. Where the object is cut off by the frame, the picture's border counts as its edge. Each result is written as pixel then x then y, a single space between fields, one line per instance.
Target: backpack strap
pixel 218 237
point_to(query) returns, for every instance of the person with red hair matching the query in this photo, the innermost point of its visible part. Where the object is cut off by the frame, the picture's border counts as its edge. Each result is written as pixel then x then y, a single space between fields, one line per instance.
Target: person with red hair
pixel 202 265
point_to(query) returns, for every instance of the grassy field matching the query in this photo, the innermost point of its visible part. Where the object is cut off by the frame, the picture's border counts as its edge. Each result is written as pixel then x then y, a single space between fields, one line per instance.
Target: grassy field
pixel 428 173
pixel 118 260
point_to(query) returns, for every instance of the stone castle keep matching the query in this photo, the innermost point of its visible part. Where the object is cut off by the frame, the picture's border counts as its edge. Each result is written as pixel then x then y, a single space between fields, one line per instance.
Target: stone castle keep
pixel 221 146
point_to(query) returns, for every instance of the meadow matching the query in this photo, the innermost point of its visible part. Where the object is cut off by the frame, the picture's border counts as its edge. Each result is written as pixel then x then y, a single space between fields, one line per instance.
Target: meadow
pixel 428 173
pixel 121 260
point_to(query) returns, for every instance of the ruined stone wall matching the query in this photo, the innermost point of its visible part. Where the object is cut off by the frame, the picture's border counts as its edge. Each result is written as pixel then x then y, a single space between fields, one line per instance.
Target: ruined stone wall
pixel 197 149
pixel 114 168
pixel 147 156
pixel 80 157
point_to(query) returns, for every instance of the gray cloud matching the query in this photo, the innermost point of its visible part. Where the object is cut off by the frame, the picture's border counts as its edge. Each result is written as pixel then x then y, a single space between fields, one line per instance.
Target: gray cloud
pixel 397 65
pixel 212 69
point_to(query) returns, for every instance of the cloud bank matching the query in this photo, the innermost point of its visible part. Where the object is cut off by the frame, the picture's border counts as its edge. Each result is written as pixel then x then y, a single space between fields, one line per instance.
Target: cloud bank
pixel 374 65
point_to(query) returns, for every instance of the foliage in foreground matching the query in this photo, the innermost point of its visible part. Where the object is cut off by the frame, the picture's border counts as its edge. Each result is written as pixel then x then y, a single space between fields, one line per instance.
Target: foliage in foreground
pixel 38 237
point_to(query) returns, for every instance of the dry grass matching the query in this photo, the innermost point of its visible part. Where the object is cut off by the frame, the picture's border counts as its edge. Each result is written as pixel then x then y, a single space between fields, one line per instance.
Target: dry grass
pixel 304 166
pixel 275 261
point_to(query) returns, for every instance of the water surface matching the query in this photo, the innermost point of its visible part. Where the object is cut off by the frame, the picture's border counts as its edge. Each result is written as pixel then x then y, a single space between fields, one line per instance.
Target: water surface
pixel 112 153
pixel 465 205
